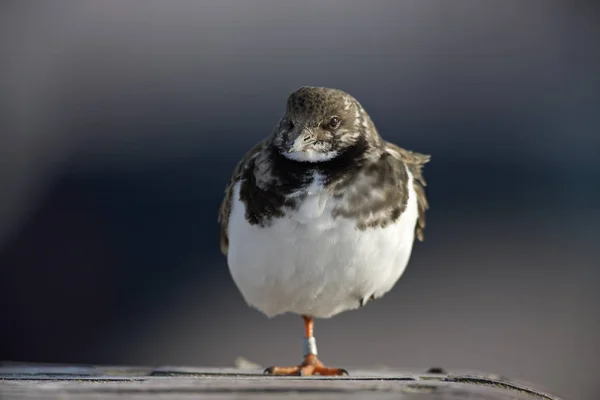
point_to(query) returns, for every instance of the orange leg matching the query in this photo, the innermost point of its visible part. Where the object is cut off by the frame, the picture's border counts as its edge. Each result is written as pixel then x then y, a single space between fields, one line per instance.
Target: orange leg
pixel 311 364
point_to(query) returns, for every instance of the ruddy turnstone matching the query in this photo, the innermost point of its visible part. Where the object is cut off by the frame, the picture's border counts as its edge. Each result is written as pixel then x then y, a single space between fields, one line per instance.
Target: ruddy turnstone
pixel 320 217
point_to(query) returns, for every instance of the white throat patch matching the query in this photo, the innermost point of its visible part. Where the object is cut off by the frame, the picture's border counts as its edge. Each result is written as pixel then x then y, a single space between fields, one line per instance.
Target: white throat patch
pixel 310 155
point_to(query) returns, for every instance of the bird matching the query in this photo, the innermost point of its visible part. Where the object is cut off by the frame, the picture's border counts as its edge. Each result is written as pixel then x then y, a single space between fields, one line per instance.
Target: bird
pixel 320 216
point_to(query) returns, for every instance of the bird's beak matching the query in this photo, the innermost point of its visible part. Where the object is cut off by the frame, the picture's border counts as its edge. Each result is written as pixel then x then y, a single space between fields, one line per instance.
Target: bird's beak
pixel 304 140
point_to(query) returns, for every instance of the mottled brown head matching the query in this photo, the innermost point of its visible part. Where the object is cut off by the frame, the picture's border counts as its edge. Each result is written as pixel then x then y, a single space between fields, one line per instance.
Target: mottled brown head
pixel 320 123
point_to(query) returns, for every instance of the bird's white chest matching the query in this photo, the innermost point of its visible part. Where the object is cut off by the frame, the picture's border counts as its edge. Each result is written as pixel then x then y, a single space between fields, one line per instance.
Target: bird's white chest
pixel 309 263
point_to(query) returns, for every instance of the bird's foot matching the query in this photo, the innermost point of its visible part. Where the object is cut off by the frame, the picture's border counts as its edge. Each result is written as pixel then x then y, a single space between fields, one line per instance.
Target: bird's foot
pixel 310 366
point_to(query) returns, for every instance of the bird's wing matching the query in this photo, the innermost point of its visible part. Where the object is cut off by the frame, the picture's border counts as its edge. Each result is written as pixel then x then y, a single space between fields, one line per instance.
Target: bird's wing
pixel 415 162
pixel 225 208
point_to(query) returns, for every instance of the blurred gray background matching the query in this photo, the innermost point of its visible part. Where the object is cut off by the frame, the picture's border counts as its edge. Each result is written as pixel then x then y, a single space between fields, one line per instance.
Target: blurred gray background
pixel 122 120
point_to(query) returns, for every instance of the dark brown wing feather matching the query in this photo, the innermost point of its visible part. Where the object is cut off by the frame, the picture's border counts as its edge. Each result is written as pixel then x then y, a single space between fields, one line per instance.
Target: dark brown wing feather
pixel 415 163
pixel 225 208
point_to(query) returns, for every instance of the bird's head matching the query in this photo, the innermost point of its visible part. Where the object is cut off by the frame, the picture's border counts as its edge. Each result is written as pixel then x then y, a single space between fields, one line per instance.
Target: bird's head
pixel 321 123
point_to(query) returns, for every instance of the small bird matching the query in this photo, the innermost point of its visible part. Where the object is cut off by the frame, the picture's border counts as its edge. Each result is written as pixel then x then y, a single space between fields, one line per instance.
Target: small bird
pixel 320 217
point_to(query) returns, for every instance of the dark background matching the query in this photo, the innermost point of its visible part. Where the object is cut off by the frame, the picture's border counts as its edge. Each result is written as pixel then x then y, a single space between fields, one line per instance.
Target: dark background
pixel 122 120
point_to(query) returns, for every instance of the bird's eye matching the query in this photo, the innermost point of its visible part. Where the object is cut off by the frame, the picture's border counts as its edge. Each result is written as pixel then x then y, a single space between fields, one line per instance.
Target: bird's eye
pixel 289 124
pixel 334 122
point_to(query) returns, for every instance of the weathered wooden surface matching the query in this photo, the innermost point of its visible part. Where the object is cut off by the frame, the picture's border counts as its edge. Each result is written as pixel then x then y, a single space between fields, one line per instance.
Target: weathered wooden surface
pixel 30 381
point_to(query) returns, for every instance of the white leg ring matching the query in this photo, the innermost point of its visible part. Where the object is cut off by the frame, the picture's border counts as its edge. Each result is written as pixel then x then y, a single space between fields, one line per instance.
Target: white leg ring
pixel 310 346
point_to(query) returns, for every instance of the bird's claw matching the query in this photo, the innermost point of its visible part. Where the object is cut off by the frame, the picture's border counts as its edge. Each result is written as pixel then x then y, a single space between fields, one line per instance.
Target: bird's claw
pixel 269 371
